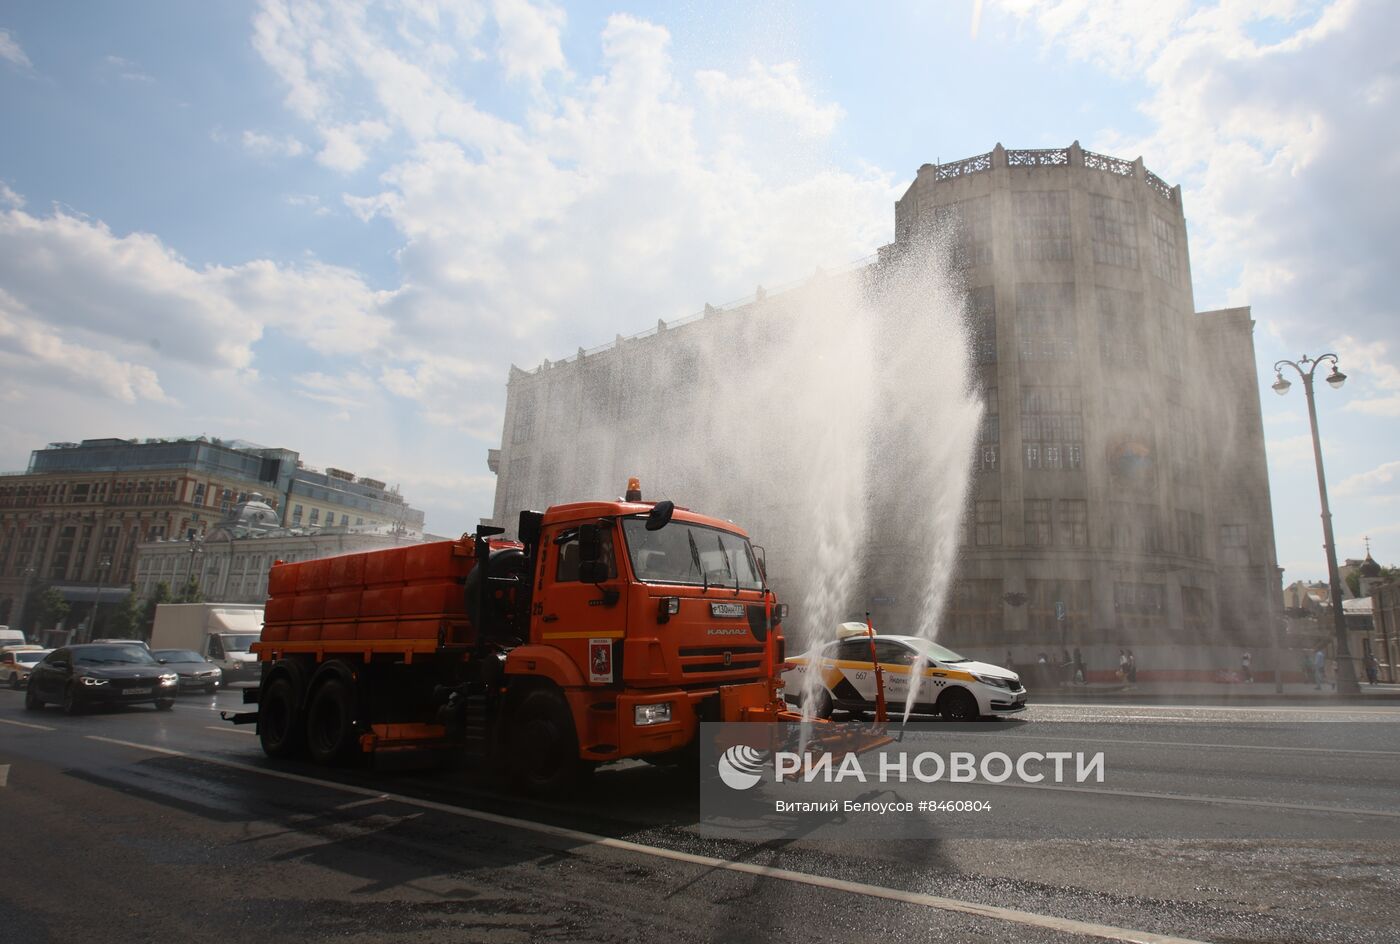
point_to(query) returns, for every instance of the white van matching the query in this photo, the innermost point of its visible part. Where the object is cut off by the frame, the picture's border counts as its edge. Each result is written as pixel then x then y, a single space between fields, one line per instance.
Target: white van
pixel 11 637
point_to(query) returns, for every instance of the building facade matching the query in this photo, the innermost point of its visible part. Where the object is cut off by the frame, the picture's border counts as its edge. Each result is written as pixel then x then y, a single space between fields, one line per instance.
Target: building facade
pixel 1120 495
pixel 230 561
pixel 76 516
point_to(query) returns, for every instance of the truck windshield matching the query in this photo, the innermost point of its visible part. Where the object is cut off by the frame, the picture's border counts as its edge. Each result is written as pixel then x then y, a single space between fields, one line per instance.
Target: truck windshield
pixel 239 643
pixel 670 555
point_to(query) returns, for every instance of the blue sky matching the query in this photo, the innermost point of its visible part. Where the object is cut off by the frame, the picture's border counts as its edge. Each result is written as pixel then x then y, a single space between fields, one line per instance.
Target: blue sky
pixel 332 226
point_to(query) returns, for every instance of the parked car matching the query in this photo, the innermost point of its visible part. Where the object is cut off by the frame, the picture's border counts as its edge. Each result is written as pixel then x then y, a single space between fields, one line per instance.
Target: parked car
pixel 79 677
pixel 953 686
pixel 194 670
pixel 16 661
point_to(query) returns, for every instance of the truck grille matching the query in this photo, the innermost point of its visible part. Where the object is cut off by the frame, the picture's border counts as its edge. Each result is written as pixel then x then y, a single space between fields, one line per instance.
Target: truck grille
pixel 721 659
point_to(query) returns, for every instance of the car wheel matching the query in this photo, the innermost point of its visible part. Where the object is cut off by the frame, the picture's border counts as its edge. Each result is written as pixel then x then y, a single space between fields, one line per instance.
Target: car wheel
pixel 279 719
pixel 32 701
pixel 330 723
pixel 165 704
pixel 958 704
pixel 72 704
pixel 544 759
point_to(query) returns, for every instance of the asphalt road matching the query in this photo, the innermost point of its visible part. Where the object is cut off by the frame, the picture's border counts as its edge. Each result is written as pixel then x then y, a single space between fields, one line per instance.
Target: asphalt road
pixel 139 825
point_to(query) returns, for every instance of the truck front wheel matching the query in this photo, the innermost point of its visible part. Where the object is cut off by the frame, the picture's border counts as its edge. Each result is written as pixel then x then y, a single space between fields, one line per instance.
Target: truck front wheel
pixel 330 723
pixel 279 727
pixel 543 751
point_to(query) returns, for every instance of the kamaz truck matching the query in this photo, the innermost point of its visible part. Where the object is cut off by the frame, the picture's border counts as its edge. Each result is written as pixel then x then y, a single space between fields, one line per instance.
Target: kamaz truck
pixel 609 630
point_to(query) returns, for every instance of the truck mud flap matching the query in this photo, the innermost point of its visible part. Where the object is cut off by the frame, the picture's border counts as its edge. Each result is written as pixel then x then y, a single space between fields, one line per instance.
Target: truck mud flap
pixel 240 717
pixel 250 695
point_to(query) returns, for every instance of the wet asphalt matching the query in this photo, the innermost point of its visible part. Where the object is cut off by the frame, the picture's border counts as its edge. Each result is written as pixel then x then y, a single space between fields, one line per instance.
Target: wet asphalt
pixel 187 832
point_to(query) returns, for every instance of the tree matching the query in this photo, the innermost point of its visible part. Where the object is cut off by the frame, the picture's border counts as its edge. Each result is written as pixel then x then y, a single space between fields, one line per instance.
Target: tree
pixel 52 608
pixel 124 620
pixel 161 594
pixel 190 592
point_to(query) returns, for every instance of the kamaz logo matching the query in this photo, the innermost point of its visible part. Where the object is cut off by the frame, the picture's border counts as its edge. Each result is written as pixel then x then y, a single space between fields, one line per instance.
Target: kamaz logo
pixel 727 632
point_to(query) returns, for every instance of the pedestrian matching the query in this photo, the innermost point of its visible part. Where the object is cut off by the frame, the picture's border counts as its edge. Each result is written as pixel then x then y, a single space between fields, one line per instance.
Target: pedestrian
pixel 1306 663
pixel 1042 659
pixel 1319 668
pixel 1245 673
pixel 1079 675
pixel 1373 668
pixel 1066 672
pixel 1132 668
pixel 1123 664
pixel 1010 663
pixel 1333 666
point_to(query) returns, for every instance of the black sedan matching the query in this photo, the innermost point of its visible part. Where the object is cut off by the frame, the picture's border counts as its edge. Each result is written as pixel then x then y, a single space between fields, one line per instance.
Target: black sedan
pixel 79 677
pixel 194 670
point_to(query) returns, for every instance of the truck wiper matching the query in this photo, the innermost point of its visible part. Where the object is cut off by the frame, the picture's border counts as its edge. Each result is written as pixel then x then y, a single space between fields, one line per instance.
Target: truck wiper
pixel 695 559
pixel 725 554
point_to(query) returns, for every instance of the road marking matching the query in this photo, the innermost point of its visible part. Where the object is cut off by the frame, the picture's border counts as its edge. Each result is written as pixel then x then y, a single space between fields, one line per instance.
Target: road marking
pixel 1323 708
pixel 1233 747
pixel 26 724
pixel 228 729
pixel 993 912
pixel 369 801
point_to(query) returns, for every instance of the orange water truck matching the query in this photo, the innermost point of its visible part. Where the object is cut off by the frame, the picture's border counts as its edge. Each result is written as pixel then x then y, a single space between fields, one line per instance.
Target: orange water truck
pixel 608 630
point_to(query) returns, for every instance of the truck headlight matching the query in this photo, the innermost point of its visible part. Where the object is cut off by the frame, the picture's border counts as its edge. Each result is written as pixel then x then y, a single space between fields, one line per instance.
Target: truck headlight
pixel 169 679
pixel 643 715
pixel 89 681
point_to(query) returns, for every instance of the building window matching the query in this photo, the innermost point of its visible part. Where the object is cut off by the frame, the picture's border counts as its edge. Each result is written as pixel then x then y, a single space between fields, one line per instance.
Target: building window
pixel 1042 225
pixel 1037 512
pixel 1122 331
pixel 315 516
pixel 988 532
pixel 1074 522
pixel 1196 610
pixel 1234 544
pixel 969 225
pixel 1048 599
pixel 1115 231
pixel 344 520
pixel 1190 529
pixel 1139 604
pixel 1166 262
pixel 296 515
pixel 982 310
pixel 524 429
pixel 1052 428
pixel 359 520
pixel 1045 321
pixel 976 608
pixel 988 455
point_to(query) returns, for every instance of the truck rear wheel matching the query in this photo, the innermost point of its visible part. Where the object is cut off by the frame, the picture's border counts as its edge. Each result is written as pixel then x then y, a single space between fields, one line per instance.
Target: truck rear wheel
pixel 544 757
pixel 279 723
pixel 330 723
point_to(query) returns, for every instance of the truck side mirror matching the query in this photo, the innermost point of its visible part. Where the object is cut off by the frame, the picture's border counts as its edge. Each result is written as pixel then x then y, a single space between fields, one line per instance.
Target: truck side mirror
pixel 591 567
pixel 660 515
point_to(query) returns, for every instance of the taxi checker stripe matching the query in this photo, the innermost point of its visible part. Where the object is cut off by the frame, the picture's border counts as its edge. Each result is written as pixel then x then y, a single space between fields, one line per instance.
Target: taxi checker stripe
pixel 1103 932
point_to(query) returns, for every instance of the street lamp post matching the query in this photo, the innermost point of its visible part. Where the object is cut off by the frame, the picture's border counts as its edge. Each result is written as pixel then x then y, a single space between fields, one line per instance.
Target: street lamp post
pixel 195 549
pixel 1306 367
pixel 103 565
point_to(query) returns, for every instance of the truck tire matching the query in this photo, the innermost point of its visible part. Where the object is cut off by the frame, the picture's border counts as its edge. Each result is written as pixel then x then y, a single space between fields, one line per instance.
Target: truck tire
pixel 279 721
pixel 543 752
pixel 330 723
pixel 958 704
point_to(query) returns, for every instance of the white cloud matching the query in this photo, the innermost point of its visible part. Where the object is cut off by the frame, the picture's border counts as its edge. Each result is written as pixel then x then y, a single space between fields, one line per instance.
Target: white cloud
pixel 771 91
pixel 344 148
pixel 127 70
pixel 266 145
pixel 1362 482
pixel 11 52
pixel 1371 373
pixel 528 43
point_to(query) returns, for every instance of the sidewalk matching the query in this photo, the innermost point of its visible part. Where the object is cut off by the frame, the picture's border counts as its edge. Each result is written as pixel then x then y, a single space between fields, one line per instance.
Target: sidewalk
pixel 1214 693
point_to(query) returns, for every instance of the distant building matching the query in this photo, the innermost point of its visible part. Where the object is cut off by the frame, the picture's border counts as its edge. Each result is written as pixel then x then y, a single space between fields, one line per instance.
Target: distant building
pixel 75 517
pixel 231 560
pixel 1121 493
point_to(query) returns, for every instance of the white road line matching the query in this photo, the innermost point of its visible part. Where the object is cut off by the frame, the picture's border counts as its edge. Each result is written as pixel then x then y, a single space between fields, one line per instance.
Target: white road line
pixel 1323 709
pixel 228 729
pixel 370 801
pixel 26 724
pixel 993 912
pixel 1089 739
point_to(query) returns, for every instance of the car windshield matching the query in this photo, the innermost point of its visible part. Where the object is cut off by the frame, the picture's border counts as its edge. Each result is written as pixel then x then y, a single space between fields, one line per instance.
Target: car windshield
pixel 688 553
pixel 933 650
pixel 178 655
pixel 113 655
pixel 29 658
pixel 240 642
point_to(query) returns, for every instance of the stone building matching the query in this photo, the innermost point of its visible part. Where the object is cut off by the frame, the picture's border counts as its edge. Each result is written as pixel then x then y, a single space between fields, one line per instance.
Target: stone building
pixel 75 517
pixel 1120 494
pixel 230 561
